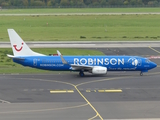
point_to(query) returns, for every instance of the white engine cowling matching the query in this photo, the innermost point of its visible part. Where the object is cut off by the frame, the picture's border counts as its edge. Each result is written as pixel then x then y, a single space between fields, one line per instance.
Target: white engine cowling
pixel 99 70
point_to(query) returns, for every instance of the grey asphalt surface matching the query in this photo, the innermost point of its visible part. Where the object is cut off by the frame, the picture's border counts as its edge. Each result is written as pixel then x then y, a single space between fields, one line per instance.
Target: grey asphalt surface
pixel 145 52
pixel 87 44
pixel 28 96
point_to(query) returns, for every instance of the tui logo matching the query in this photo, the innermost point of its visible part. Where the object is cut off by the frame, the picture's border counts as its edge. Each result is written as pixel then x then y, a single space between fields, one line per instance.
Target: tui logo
pixel 133 61
pixel 18 49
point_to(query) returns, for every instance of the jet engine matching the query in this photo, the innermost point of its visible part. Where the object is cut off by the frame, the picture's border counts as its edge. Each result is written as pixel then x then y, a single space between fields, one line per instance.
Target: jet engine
pixel 99 70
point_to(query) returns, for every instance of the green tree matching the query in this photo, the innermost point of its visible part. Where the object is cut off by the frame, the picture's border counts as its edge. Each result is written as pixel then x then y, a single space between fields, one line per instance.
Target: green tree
pixel 57 1
pixel 4 4
pixel 126 2
pixel 154 2
pixel 93 1
pixel 37 3
pixel 1 1
pixel 80 3
pixel 32 2
pixel 11 2
pixel 45 1
pixel 18 3
pixel 145 1
pixel 87 2
pixel 103 2
pixel 115 2
pixel 139 2
pixel 73 2
pixel 25 2
pixel 95 4
pixel 51 3
pixel 64 3
pixel 136 2
pixel 133 2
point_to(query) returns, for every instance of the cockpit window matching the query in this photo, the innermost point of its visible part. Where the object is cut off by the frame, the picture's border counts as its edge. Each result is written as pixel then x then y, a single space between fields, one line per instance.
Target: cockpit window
pixel 147 61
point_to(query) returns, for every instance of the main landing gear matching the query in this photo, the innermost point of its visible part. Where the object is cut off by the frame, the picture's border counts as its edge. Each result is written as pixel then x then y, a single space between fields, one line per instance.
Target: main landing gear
pixel 141 73
pixel 81 73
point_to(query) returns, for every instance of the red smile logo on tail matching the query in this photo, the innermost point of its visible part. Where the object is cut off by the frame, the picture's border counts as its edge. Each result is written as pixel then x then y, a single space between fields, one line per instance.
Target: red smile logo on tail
pixel 15 46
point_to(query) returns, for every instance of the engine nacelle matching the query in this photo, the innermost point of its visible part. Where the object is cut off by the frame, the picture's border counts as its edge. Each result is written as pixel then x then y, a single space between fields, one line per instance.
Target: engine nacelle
pixel 99 70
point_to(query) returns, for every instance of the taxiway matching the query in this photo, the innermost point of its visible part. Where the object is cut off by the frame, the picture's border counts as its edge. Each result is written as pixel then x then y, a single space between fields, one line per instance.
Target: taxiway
pixel 117 95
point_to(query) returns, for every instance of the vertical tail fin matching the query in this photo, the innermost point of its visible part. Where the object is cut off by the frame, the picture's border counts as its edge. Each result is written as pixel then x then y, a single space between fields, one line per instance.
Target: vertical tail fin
pixel 19 47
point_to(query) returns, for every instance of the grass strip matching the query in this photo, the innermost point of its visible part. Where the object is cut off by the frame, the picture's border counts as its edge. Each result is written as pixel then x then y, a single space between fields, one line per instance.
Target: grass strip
pixel 82 28
pixel 77 10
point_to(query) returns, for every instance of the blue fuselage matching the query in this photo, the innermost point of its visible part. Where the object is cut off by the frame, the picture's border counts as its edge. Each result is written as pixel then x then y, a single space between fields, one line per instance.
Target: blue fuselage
pixel 112 63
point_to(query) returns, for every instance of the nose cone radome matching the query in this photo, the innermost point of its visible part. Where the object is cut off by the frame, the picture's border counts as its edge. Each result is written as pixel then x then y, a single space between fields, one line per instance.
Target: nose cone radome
pixel 153 65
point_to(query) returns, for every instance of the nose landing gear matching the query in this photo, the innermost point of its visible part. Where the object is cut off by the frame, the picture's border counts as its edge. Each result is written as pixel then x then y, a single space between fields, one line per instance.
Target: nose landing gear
pixel 141 73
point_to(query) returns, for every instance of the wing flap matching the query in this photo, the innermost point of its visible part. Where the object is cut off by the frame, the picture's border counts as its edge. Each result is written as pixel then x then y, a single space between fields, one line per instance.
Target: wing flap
pixel 81 67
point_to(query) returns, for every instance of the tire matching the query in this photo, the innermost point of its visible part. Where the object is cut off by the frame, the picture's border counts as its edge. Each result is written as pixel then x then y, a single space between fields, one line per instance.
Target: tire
pixel 81 74
pixel 141 73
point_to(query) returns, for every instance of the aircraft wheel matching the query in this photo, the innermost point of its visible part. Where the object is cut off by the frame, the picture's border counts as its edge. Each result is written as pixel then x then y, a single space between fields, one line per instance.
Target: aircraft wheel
pixel 141 73
pixel 81 74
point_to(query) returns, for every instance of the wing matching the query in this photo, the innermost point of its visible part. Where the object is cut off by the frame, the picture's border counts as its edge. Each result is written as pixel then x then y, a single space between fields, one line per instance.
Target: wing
pixel 81 67
pixel 73 66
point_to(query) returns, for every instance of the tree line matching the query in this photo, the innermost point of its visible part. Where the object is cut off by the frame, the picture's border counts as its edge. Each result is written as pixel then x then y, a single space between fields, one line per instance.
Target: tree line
pixel 8 3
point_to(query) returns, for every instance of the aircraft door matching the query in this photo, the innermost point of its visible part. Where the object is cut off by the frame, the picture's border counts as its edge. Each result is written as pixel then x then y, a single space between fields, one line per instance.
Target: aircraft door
pixel 139 62
pixel 34 62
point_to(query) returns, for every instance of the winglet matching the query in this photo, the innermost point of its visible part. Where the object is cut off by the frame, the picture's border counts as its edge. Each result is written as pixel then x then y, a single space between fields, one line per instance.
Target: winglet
pixel 63 60
pixel 59 54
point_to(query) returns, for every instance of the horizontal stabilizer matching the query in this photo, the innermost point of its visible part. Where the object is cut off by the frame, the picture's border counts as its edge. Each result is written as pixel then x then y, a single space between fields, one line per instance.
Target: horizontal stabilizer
pixel 14 57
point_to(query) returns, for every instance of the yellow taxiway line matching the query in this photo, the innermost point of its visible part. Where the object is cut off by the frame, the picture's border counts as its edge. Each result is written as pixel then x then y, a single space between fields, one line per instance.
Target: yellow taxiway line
pixel 44 110
pixel 88 91
pixel 61 91
pixel 154 50
pixel 97 114
pixel 109 91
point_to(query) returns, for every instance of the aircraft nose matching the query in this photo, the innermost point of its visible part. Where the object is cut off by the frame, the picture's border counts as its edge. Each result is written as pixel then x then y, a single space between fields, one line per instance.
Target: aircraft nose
pixel 154 65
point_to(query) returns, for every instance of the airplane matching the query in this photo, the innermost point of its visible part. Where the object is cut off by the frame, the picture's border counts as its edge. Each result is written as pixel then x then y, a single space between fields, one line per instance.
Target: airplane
pixel 97 65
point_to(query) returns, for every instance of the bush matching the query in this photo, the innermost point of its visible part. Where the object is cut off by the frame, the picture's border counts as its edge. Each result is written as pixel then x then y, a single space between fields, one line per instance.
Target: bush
pixel 152 2
pixel 38 3
pixel 126 2
pixel 64 3
pixel 80 4
pixel 95 4
pixel 103 2
pixel 82 37
pixel 4 4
